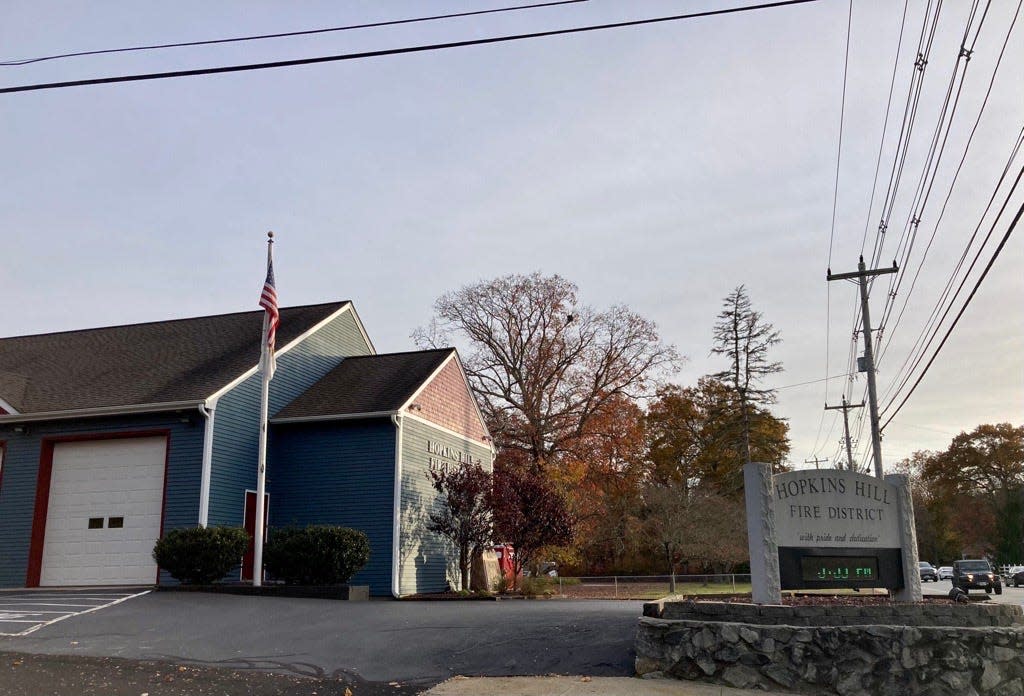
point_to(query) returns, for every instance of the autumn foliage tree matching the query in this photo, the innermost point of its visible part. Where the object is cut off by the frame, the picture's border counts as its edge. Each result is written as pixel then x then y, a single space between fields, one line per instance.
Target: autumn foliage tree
pixel 600 477
pixel 464 516
pixel 692 437
pixel 983 471
pixel 939 535
pixel 543 363
pixel 529 514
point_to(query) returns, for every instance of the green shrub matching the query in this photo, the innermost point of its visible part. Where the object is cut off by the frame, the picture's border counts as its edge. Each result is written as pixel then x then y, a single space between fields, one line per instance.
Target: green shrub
pixel 316 555
pixel 502 585
pixel 200 555
pixel 537 586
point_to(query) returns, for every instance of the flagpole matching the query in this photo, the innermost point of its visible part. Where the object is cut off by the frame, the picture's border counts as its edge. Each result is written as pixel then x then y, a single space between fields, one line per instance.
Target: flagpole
pixel 261 475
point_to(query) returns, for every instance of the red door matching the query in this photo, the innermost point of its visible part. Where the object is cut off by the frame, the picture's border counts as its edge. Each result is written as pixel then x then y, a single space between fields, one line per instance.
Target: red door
pixel 250 527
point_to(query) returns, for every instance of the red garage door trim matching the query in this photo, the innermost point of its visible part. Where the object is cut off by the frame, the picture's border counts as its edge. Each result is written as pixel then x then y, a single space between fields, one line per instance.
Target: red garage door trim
pixel 35 553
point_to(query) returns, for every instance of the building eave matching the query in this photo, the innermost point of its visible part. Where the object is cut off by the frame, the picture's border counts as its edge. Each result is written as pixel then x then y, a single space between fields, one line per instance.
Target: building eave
pixel 124 410
pixel 333 417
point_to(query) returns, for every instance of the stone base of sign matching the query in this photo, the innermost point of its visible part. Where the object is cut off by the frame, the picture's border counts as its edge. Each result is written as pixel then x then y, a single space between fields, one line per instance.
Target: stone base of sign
pixel 899 649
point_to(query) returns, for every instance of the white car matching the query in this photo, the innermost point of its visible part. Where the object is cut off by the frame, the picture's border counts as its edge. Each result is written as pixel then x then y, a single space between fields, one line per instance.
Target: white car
pixel 945 572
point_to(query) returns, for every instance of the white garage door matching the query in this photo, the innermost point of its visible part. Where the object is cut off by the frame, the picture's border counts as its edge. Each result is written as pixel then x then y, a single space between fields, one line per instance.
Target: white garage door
pixel 104 512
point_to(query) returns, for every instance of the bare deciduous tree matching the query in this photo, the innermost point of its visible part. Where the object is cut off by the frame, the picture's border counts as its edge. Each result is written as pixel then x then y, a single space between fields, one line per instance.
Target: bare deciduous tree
pixel 544 364
pixel 694 526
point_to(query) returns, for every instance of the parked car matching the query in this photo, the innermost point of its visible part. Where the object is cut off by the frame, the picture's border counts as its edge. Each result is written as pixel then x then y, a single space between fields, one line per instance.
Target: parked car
pixel 945 572
pixel 549 568
pixel 976 574
pixel 1015 576
pixel 928 572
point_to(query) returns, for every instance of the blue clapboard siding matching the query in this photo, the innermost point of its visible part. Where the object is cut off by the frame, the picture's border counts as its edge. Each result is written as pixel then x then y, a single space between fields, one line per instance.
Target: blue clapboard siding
pixel 339 472
pixel 428 562
pixel 21 469
pixel 236 423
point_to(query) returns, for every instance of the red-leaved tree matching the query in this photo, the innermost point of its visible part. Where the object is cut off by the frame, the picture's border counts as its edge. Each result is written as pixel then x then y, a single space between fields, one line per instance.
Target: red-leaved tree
pixel 465 513
pixel 529 514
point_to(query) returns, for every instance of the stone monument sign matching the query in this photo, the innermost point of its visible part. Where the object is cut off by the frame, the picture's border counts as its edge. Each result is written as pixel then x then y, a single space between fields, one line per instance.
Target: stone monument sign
pixel 829 529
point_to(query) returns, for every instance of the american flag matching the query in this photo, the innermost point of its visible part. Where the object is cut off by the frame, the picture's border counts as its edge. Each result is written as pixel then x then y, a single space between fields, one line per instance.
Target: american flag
pixel 271 318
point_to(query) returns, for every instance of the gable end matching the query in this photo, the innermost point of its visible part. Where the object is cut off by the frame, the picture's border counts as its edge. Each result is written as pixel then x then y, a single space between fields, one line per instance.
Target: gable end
pixel 446 400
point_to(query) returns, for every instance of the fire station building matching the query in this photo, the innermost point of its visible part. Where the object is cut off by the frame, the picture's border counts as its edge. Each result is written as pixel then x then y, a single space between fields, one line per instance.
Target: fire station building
pixel 110 437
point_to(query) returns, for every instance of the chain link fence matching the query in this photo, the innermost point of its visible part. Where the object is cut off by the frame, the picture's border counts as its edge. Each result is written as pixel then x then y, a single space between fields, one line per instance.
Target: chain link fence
pixel 650 586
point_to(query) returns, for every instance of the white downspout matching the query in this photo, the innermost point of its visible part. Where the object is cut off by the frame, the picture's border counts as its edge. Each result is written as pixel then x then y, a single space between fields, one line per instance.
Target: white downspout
pixel 207 409
pixel 396 523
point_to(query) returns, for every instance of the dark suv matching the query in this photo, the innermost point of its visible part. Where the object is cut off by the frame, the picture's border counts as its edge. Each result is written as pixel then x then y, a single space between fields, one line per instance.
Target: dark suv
pixel 976 575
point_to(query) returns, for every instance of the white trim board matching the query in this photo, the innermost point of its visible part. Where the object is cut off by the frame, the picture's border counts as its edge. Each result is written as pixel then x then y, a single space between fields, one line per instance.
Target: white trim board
pixel 427 381
pixel 102 411
pixel 465 381
pixel 284 349
pixel 449 431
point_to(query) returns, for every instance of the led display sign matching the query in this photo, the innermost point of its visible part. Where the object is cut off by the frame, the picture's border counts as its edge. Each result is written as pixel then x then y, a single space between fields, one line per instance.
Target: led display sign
pixel 839 568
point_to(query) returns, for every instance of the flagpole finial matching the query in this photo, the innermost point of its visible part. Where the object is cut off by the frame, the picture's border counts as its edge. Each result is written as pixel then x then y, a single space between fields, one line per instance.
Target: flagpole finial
pixel 270 236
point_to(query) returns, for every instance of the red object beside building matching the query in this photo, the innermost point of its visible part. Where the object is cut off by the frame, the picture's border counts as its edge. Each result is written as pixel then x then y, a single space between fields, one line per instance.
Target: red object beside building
pixel 506 558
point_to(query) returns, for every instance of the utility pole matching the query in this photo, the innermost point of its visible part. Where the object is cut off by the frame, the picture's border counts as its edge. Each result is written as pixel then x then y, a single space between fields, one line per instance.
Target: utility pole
pixel 845 408
pixel 816 461
pixel 862 275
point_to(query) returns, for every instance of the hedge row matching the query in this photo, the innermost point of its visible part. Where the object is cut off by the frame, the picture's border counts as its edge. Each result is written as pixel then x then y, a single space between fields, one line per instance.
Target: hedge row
pixel 314 555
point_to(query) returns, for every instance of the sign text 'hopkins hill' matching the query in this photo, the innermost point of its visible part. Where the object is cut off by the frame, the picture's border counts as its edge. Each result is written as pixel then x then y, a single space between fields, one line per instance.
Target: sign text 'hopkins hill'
pixel 834 509
pixel 443 457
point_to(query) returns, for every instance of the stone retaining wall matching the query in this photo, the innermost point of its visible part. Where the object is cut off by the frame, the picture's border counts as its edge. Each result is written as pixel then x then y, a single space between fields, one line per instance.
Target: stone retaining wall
pixel 937 613
pixel 880 659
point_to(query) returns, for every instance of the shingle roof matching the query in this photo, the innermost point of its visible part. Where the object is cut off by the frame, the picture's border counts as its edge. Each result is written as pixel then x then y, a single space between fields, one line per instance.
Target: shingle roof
pixel 157 362
pixel 367 384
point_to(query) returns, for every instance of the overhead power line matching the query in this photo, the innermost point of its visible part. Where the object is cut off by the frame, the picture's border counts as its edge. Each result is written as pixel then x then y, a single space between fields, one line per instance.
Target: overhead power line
pixel 967 302
pixel 813 381
pixel 944 304
pixel 842 115
pixel 949 193
pixel 885 124
pixel 392 51
pixel 286 34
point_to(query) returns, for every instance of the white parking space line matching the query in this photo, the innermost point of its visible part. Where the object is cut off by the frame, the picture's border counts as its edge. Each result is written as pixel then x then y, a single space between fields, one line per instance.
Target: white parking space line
pixel 47 604
pixel 11 613
pixel 59 600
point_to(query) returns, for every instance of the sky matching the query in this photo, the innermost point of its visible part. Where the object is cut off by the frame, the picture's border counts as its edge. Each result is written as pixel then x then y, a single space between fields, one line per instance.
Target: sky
pixel 657 167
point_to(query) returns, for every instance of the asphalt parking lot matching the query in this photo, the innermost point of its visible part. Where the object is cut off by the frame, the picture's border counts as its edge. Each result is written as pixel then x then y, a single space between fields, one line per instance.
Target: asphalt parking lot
pixel 378 642
pixel 25 611
pixel 1010 595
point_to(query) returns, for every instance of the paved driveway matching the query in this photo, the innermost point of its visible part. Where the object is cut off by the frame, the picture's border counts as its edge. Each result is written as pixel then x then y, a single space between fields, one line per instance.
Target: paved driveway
pixel 376 641
pixel 1010 595
pixel 25 611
